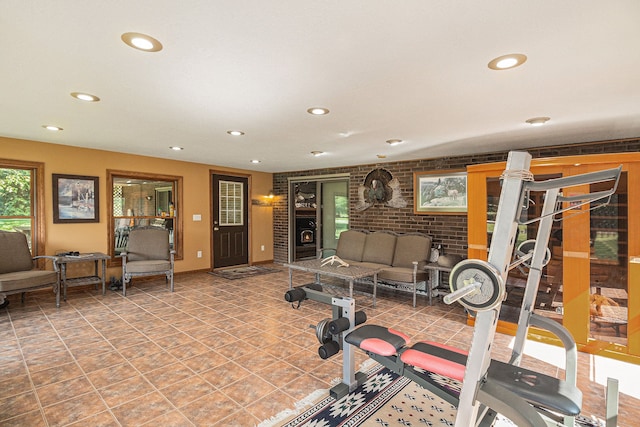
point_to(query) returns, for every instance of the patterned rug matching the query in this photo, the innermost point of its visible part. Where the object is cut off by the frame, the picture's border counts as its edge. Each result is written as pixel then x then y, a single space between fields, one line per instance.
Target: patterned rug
pixel 388 400
pixel 384 399
pixel 243 272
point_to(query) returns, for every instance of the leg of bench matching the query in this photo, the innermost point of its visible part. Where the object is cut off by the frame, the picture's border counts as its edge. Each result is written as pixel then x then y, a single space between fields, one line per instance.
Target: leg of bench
pixel 612 402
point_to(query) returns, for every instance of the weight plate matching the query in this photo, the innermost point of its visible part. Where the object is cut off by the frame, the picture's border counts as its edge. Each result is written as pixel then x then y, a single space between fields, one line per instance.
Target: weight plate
pixel 528 246
pixel 322 331
pixel 492 289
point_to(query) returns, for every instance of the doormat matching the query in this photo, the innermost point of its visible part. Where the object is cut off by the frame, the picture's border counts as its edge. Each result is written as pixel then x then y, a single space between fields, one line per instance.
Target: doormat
pixel 389 400
pixel 243 272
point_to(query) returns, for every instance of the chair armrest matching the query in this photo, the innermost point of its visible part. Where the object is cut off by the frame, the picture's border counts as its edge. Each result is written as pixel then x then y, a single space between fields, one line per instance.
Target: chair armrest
pixel 123 256
pixel 53 259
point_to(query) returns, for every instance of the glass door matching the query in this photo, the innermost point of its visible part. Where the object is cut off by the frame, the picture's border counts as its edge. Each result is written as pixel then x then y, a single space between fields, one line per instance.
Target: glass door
pixel 319 208
pixel 335 212
pixel 549 301
pixel 592 280
pixel 609 293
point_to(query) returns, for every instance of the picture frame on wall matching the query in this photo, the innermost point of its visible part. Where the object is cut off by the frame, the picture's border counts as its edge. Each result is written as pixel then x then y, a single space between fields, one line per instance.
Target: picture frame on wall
pixel 75 199
pixel 439 192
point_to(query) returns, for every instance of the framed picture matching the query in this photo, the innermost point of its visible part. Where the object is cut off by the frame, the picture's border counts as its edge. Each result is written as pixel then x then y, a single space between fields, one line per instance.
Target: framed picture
pixel 440 193
pixel 75 199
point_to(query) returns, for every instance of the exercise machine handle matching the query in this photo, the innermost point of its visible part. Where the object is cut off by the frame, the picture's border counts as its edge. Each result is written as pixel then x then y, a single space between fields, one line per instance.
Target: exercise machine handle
pixel 295 295
pixel 342 324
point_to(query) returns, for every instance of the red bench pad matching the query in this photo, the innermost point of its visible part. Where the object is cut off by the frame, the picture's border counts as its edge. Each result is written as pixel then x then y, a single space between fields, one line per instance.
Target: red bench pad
pixel 378 339
pixel 438 358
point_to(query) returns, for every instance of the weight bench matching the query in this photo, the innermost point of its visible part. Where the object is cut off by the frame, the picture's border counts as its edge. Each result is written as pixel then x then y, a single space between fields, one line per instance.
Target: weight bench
pixel 418 362
pixel 477 385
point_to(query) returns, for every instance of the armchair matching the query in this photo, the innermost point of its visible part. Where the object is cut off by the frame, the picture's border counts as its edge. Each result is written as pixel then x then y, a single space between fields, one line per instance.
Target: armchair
pixel 147 254
pixel 17 269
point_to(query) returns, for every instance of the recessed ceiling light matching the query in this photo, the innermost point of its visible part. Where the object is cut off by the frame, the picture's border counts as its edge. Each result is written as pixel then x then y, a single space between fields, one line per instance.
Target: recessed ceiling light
pixel 317 153
pixel 176 148
pixel 538 121
pixel 318 111
pixel 141 42
pixel 393 142
pixel 235 132
pixel 255 161
pixel 52 128
pixel 85 97
pixel 506 62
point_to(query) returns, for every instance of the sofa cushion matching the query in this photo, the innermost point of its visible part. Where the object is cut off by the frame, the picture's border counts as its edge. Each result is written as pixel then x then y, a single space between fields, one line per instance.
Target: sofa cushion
pixel 19 280
pixel 370 265
pixel 411 247
pixel 402 274
pixel 14 252
pixel 148 266
pixel 379 248
pixel 351 245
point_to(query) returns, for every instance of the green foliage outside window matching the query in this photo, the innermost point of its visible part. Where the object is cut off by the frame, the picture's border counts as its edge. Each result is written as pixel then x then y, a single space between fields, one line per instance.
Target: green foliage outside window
pixel 15 192
pixel 15 199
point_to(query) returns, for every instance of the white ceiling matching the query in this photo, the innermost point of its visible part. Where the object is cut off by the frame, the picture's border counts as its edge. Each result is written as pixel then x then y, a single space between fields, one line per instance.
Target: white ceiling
pixel 409 69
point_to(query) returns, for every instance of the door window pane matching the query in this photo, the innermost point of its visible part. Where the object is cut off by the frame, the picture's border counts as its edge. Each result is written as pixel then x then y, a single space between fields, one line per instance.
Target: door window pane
pixel 231 197
pixel 341 217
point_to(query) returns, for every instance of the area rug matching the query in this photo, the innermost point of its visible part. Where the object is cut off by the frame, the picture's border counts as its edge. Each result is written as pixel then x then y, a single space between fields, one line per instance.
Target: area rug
pixel 243 272
pixel 386 399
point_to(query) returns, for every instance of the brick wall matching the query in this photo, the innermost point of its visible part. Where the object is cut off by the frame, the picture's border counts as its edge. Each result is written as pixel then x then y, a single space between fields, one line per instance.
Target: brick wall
pixel 448 230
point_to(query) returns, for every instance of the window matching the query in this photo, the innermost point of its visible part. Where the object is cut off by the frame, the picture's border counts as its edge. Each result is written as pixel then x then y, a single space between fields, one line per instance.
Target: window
pixel 21 201
pixel 143 200
pixel 231 203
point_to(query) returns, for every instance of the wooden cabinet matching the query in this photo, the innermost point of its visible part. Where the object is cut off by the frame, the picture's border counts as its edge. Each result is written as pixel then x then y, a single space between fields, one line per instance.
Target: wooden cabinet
pixel 588 284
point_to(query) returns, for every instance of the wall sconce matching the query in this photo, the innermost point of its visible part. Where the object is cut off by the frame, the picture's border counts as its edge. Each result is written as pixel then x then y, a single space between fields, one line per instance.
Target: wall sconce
pixel 148 197
pixel 268 202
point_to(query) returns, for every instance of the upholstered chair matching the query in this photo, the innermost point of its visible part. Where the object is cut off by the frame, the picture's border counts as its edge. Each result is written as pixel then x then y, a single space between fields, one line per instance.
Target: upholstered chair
pixel 148 253
pixel 18 272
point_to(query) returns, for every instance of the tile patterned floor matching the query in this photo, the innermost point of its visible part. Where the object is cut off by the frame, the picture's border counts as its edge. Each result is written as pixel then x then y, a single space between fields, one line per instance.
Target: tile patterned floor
pixel 213 353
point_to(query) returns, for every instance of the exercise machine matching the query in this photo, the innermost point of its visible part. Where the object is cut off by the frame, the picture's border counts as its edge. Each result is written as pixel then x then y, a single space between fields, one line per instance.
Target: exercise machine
pixel 488 386
pixel 331 332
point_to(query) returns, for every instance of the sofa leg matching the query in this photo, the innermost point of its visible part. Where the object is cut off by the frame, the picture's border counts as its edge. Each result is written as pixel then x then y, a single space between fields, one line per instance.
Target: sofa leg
pixel 414 294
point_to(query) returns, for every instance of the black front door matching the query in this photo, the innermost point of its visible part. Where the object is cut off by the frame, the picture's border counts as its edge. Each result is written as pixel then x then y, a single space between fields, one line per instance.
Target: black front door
pixel 230 221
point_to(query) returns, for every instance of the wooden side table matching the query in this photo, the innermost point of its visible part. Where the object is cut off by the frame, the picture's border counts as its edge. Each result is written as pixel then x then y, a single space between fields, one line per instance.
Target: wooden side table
pixel 62 261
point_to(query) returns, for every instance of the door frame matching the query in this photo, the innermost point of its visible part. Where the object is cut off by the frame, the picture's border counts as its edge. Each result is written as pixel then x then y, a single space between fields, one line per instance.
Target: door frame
pixel 291 209
pixel 213 204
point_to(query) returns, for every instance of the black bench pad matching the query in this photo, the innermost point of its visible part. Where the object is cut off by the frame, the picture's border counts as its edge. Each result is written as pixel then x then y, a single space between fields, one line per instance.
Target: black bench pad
pixel 536 388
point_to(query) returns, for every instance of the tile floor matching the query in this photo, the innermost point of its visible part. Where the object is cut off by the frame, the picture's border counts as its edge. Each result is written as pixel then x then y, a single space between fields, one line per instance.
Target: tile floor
pixel 213 353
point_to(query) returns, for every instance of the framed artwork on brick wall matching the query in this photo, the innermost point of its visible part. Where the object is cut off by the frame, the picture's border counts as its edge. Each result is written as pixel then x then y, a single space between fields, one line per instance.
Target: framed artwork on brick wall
pixel 440 192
